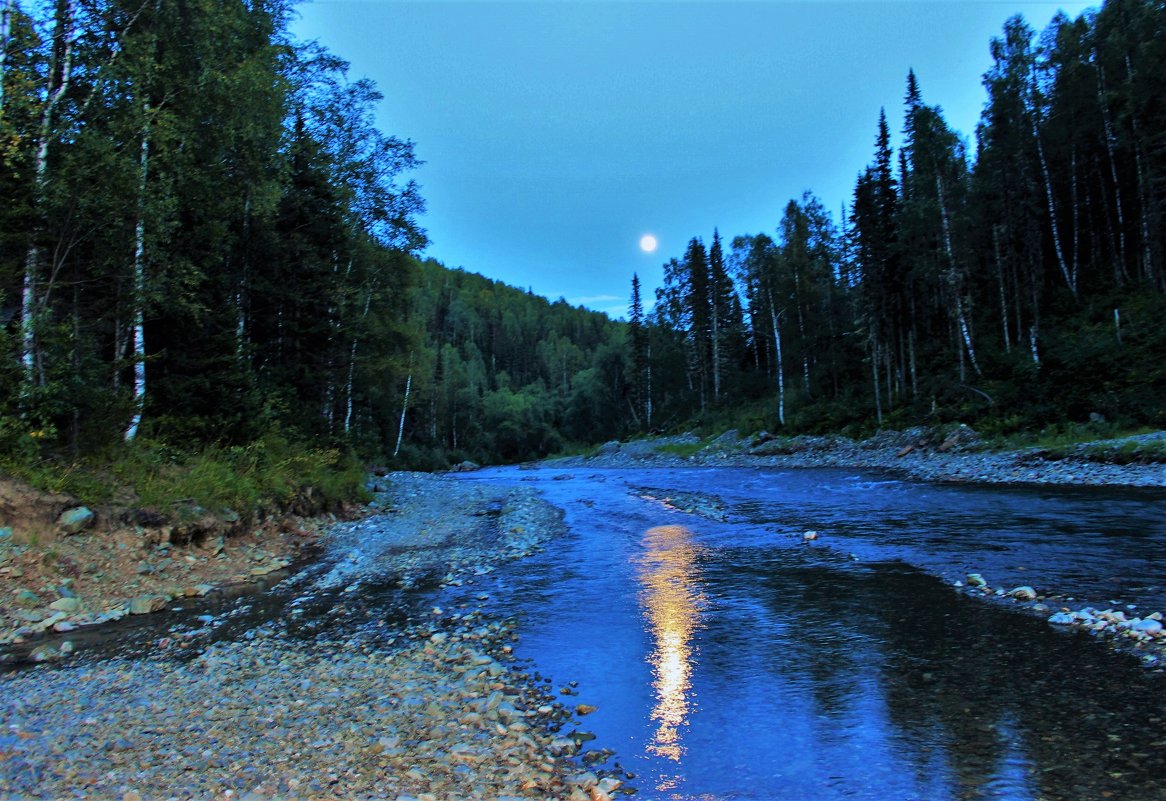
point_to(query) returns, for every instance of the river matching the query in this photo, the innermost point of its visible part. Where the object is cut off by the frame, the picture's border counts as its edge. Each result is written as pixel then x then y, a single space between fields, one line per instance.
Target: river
pixel 732 659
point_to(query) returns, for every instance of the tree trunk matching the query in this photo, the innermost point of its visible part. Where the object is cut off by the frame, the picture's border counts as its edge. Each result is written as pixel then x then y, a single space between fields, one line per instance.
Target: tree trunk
pixel 649 395
pixel 404 409
pixel 956 285
pixel 60 73
pixel 138 332
pixel 774 316
pixel 1144 198
pixel 1120 271
pixel 1070 277
pixel 6 9
pixel 716 355
pixel 348 402
pixel 874 368
pixel 1000 285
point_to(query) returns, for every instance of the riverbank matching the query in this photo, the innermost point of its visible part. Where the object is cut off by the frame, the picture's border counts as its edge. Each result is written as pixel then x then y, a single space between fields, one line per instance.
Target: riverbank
pixel 432 707
pixel 956 456
pixel 56 581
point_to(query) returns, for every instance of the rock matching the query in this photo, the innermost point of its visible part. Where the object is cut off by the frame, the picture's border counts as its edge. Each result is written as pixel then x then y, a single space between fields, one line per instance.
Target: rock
pixel 74 521
pixel 584 709
pixel 27 598
pixel 145 604
pixel 5 534
pixel 466 466
pixel 1147 625
pixel 976 580
pixel 1023 593
pixel 69 605
pixel 608 448
pixel 45 653
pixel 1062 619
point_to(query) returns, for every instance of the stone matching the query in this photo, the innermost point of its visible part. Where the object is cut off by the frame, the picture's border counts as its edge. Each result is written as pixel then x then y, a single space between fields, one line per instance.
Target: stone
pixel 1147 625
pixel 1023 593
pixel 69 605
pixel 45 653
pixel 5 534
pixel 976 580
pixel 1062 619
pixel 609 448
pixel 145 604
pixel 74 521
pixel 584 709
pixel 27 598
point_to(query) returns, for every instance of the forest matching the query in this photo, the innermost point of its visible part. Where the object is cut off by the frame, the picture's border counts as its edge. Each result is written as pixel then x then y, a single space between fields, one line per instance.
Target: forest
pixel 205 239
pixel 1016 285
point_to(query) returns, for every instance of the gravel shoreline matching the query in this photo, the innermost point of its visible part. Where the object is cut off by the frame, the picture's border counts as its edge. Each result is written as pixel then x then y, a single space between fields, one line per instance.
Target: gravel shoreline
pixel 902 453
pixel 369 709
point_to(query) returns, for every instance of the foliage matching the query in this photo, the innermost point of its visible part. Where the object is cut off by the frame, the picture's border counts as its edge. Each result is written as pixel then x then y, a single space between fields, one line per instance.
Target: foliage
pixel 270 474
pixel 1020 289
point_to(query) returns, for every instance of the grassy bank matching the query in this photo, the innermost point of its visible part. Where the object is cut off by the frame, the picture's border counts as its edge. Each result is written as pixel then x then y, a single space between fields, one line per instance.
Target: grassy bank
pixel 268 475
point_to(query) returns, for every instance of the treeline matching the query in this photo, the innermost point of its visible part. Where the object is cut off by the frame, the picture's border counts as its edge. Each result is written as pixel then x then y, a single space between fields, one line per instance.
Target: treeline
pixel 1022 287
pixel 505 375
pixel 203 237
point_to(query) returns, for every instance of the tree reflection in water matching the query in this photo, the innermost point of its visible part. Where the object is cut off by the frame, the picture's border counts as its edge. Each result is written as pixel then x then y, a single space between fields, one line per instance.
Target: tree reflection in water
pixel 672 602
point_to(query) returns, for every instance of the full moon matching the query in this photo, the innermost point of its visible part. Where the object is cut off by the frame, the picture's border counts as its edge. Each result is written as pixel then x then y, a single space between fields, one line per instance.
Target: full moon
pixel 647 243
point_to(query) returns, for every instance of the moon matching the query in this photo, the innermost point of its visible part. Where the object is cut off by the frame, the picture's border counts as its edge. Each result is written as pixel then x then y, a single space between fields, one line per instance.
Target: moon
pixel 647 243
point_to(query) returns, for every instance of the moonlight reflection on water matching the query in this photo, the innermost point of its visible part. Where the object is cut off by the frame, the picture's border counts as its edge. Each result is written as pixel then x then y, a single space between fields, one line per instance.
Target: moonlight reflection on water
pixel 672 603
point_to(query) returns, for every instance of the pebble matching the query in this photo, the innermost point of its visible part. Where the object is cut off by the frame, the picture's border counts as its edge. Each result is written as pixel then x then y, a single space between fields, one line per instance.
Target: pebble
pixel 444 715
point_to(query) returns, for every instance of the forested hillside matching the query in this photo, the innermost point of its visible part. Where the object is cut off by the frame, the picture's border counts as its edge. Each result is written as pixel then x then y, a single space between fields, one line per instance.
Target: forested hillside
pixel 1017 285
pixel 205 239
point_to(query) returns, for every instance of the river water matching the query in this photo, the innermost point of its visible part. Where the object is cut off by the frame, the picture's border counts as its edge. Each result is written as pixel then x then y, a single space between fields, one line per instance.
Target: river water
pixel 730 659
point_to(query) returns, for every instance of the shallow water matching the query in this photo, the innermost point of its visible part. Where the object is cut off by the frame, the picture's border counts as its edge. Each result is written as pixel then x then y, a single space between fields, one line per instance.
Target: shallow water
pixel 730 660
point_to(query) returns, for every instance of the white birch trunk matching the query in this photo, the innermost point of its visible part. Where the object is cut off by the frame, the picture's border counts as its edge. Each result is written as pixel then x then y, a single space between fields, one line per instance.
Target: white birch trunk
pixel 874 369
pixel 138 332
pixel 348 403
pixel 774 316
pixel 957 289
pixel 1070 277
pixel 59 77
pixel 404 409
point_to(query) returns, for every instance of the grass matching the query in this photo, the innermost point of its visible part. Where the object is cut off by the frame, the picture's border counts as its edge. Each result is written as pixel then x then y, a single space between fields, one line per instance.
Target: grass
pixel 268 474
pixel 684 449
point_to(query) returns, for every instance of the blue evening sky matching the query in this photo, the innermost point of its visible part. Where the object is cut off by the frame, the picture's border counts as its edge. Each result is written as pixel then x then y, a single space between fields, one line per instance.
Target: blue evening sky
pixel 556 134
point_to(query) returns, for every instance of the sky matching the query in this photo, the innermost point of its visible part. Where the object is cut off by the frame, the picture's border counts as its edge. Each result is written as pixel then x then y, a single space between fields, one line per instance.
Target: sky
pixel 556 134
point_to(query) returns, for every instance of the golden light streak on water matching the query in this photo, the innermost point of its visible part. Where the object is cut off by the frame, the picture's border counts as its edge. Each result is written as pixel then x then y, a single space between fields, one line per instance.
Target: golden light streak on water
pixel 672 602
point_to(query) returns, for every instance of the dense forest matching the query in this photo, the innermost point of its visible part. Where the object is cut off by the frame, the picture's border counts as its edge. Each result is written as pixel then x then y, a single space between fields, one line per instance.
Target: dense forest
pixel 204 239
pixel 1016 286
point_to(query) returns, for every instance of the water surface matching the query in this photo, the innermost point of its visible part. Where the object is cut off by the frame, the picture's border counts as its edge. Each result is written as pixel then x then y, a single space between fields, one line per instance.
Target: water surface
pixel 731 660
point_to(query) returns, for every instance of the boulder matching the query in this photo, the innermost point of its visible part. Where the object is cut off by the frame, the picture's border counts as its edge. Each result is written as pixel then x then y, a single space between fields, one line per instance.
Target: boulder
pixel 608 448
pixel 145 604
pixel 68 605
pixel 1023 593
pixel 976 580
pixel 76 520
pixel 1147 625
